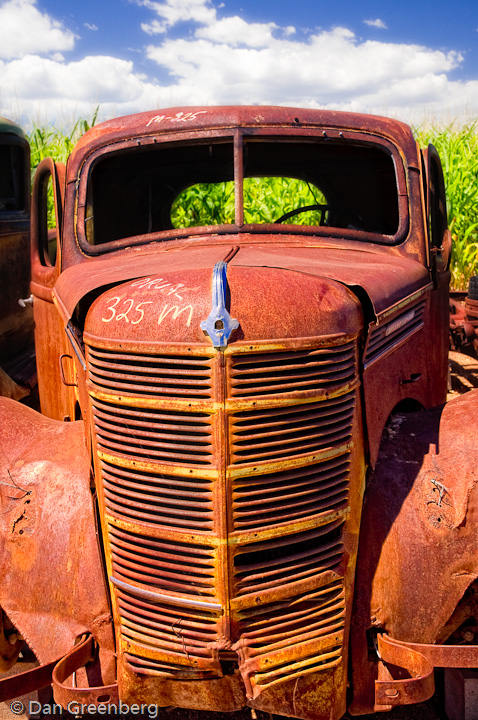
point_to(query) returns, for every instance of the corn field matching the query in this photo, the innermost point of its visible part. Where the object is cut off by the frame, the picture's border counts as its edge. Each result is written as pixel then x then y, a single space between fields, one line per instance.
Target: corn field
pixel 457 147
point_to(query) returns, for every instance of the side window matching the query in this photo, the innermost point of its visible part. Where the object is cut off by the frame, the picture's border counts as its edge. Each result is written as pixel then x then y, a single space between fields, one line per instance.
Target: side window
pixel 46 222
pixel 13 177
pixel 48 232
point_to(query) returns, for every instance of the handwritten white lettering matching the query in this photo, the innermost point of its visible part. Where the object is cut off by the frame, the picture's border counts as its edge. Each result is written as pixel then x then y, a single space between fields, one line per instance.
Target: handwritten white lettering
pixel 179 117
pixel 127 307
pixel 176 311
pixel 159 284
pixel 114 301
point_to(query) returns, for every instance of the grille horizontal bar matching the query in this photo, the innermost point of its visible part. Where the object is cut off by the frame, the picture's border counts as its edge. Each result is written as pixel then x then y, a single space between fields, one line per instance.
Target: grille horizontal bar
pixel 266 500
pixel 299 632
pixel 292 371
pixel 149 666
pixel 170 376
pixel 158 435
pixel 158 499
pixel 158 563
pixel 180 630
pixel 287 559
pixel 295 430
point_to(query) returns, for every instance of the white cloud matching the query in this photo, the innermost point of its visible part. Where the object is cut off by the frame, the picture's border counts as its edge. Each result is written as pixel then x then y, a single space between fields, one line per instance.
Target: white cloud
pixel 173 12
pixel 24 29
pixel 376 23
pixel 235 31
pixel 331 68
pixel 223 59
pixel 42 85
pixel 90 26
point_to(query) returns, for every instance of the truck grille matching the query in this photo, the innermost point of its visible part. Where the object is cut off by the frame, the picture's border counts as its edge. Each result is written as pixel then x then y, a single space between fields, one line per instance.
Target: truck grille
pixel 298 636
pixel 273 434
pixel 269 500
pixel 153 375
pixel 287 372
pixel 225 485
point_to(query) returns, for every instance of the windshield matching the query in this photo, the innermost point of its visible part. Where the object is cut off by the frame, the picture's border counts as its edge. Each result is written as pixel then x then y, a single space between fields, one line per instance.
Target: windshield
pixel 310 183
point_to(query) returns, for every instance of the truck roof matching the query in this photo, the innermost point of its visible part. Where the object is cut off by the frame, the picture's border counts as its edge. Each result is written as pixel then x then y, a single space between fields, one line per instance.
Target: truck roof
pixel 7 126
pixel 192 119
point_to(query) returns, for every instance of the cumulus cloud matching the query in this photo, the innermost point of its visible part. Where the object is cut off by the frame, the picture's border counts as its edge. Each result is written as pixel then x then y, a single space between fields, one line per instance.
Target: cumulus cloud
pixel 208 56
pixel 43 85
pixel 376 23
pixel 173 12
pixel 24 29
pixel 330 68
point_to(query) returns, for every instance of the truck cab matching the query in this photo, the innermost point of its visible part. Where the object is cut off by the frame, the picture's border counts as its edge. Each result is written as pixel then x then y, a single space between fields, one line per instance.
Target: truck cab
pixel 16 321
pixel 237 302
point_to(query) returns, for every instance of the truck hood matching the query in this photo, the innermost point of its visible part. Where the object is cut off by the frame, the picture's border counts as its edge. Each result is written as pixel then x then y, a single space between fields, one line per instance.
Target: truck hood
pixel 385 279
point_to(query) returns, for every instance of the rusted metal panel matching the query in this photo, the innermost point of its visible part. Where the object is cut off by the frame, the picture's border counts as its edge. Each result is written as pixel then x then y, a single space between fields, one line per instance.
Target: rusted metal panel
pixel 230 470
pixel 44 486
pixel 386 280
pixel 191 591
pixel 418 523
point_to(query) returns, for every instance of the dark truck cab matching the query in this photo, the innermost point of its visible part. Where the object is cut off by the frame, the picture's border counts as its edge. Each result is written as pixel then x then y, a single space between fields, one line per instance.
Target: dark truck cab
pixel 16 320
pixel 214 398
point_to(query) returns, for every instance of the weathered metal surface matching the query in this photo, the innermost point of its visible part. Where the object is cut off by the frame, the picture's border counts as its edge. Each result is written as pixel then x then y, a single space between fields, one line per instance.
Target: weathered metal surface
pixel 83 655
pixel 386 279
pixel 230 480
pixel 44 485
pixel 415 681
pixel 22 683
pixel 221 428
pixel 16 322
pixel 418 522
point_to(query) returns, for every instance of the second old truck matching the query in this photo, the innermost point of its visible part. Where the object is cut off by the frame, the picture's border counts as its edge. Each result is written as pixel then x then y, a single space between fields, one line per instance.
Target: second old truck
pixel 244 488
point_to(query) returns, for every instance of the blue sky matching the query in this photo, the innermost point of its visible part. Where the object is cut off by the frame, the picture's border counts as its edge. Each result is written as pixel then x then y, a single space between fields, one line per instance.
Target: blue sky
pixel 414 59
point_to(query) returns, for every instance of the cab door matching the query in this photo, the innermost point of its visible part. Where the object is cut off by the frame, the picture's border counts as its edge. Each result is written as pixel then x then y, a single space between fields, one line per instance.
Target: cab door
pixel 57 399
pixel 439 237
pixel 438 259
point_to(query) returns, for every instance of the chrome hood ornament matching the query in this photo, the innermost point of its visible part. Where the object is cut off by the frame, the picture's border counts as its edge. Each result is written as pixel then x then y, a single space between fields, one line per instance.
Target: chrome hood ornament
pixel 219 325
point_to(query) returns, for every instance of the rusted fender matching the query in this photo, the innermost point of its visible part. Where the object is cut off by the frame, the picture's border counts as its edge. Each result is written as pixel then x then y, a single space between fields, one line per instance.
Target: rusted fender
pixel 51 579
pixel 417 552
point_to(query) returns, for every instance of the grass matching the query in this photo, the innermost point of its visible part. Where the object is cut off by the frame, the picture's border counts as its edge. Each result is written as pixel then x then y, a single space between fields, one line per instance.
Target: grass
pixel 457 147
pixel 458 150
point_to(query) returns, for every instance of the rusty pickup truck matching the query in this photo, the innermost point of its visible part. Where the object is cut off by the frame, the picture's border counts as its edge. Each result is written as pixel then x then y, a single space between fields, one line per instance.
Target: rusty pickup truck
pixel 244 487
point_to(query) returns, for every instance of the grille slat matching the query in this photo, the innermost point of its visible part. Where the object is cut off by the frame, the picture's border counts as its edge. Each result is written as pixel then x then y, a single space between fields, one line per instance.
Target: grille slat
pixel 301 429
pixel 278 373
pixel 286 560
pixel 155 435
pixel 159 499
pixel 297 635
pixel 162 564
pixel 159 376
pixel 185 633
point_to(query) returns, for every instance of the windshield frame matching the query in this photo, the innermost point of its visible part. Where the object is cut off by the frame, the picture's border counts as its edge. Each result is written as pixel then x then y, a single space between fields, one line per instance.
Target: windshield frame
pixel 237 136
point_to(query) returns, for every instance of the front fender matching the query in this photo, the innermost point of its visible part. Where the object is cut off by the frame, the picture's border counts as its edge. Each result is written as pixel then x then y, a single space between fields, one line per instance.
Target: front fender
pixel 419 533
pixel 51 580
